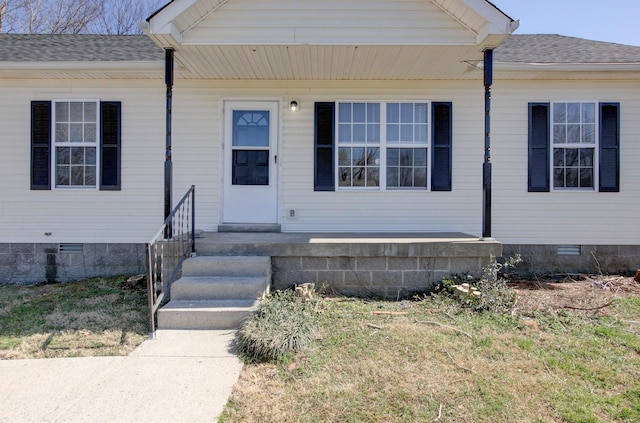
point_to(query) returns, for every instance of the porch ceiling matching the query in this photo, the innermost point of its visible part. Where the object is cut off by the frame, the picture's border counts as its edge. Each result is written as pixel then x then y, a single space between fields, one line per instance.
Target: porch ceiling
pixel 349 62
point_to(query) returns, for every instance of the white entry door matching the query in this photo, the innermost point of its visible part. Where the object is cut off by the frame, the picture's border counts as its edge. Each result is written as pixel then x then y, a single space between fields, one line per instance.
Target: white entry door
pixel 250 182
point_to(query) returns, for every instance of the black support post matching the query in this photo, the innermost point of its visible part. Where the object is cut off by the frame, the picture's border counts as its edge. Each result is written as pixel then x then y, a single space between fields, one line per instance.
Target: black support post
pixel 168 166
pixel 486 167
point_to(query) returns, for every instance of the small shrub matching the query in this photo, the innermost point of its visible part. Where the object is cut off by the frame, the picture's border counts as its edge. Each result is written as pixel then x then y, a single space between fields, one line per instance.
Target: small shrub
pixel 283 324
pixel 495 296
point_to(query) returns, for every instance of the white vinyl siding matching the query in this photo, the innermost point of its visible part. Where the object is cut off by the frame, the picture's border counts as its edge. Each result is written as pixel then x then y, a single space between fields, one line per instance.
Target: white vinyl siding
pixel 566 217
pixel 338 22
pixel 132 214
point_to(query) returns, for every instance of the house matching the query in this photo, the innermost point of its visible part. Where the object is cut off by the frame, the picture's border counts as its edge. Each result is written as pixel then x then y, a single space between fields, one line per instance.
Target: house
pixel 423 129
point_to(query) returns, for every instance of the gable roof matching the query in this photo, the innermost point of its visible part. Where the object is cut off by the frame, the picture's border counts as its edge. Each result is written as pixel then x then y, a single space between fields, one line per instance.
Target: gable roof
pixel 553 48
pixel 78 48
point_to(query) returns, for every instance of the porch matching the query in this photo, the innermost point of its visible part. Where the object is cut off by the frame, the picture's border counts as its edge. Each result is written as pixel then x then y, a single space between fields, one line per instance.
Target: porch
pixel 388 265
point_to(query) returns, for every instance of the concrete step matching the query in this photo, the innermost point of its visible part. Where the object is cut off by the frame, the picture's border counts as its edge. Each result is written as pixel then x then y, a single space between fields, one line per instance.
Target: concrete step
pixel 227 266
pixel 203 288
pixel 218 314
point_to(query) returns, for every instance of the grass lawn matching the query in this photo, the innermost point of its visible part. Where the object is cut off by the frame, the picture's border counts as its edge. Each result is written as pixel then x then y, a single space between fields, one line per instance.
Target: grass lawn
pixel 566 353
pixel 102 316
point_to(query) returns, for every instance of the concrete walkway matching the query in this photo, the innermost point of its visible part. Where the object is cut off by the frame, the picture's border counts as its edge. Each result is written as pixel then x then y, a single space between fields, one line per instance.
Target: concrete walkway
pixel 181 376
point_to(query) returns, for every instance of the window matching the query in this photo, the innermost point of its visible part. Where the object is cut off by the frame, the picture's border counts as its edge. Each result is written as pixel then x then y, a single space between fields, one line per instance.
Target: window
pixel 383 146
pixel 574 146
pixel 75 144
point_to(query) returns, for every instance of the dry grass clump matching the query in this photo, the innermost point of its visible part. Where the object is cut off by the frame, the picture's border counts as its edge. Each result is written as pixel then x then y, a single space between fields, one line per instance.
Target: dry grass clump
pixel 283 324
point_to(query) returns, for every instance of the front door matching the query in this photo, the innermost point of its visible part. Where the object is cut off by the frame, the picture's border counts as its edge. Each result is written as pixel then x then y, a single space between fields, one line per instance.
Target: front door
pixel 250 181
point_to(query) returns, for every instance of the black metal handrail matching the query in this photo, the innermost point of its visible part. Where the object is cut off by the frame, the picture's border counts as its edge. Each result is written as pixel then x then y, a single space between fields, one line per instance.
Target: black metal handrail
pixel 172 244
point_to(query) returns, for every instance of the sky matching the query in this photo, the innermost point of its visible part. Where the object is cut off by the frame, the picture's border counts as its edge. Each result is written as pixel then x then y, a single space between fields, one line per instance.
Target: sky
pixel 616 21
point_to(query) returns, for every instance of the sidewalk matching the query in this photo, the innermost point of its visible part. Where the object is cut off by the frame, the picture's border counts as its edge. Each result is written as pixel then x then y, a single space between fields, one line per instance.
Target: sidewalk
pixel 179 376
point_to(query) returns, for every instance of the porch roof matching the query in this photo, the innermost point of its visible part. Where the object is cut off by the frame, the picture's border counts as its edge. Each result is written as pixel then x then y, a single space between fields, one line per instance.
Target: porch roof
pixel 329 40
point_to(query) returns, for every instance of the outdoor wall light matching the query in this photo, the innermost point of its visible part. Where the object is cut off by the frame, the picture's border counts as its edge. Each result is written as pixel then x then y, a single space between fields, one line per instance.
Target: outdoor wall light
pixel 293 106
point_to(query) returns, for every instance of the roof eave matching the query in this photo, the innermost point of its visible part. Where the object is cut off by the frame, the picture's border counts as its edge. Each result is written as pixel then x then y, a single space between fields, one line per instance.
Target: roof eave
pixel 141 66
pixel 567 67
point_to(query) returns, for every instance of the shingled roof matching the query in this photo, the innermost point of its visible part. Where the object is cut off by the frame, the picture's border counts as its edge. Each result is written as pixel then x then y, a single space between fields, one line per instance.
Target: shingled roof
pixel 551 48
pixel 78 48
pixel 525 48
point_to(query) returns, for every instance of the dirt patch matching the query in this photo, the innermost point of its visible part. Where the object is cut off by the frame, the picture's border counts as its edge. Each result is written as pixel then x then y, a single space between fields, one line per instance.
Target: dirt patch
pixel 586 293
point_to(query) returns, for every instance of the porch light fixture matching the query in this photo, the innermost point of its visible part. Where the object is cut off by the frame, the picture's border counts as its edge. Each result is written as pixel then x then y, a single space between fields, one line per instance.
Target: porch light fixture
pixel 293 106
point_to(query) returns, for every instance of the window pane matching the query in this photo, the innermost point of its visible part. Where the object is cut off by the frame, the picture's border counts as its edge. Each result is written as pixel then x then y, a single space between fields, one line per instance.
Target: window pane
pixel 586 157
pixel 63 175
pixel 573 112
pixel 588 113
pixel 373 156
pixel 420 157
pixel 573 133
pixel 344 112
pixel 558 157
pixel 359 177
pixel 62 132
pixel 406 157
pixel 76 132
pixel 344 133
pixel 90 175
pixel 571 157
pixel 344 176
pixel 62 112
pixel 558 178
pixel 406 133
pixel 63 155
pixel 373 112
pixel 90 132
pixel 393 113
pixel 359 132
pixel 420 136
pixel 586 178
pixel 250 128
pixel 90 112
pixel 357 157
pixel 421 115
pixel 359 112
pixel 393 157
pixel 571 177
pixel 559 112
pixel 77 155
pixel 392 177
pixel 373 177
pixel 90 156
pixel 373 133
pixel 77 175
pixel 76 111
pixel 589 134
pixel 344 157
pixel 406 112
pixel 559 134
pixel 393 133
pixel 420 177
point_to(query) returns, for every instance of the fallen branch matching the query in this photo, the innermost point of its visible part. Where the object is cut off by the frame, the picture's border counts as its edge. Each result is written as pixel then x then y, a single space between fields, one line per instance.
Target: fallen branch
pixel 454 362
pixel 371 325
pixel 390 313
pixel 439 413
pixel 589 308
pixel 428 322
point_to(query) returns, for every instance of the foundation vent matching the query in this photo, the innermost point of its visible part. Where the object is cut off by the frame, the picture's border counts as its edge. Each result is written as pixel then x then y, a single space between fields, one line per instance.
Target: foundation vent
pixel 71 248
pixel 569 250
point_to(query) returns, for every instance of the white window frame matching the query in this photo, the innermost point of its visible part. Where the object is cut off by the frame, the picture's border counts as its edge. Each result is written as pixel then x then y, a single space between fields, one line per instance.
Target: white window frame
pixel 595 146
pixel 55 144
pixel 383 146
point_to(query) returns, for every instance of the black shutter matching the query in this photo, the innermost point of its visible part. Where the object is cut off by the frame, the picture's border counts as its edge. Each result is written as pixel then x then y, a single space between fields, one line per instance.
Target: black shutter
pixel 323 147
pixel 40 145
pixel 442 148
pixel 110 146
pixel 610 147
pixel 539 147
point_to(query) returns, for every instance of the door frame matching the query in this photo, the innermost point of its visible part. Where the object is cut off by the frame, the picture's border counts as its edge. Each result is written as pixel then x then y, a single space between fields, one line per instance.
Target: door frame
pixel 226 102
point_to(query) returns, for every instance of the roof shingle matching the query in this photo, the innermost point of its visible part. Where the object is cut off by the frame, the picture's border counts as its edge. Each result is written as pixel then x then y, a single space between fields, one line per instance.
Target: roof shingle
pixel 77 48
